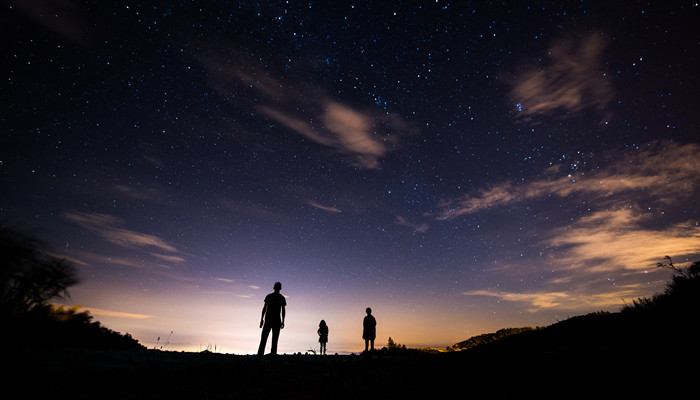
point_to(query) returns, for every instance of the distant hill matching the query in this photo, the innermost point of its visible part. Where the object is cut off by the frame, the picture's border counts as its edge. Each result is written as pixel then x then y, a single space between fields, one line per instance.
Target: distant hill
pixel 648 329
pixel 490 337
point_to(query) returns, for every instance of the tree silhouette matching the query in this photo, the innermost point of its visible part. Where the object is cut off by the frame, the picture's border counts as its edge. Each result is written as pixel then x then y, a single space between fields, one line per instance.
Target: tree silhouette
pixel 29 275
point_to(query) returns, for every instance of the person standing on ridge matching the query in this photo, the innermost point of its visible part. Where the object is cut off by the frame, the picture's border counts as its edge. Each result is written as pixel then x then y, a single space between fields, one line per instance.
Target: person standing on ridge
pixel 369 329
pixel 272 319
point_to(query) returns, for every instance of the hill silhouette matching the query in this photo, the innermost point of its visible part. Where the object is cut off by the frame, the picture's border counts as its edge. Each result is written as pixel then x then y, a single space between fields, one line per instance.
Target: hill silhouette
pixel 479 340
pixel 648 328
pixel 647 350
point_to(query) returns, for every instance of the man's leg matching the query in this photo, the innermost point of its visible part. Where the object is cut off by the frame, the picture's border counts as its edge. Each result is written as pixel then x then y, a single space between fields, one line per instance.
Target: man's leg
pixel 263 339
pixel 275 337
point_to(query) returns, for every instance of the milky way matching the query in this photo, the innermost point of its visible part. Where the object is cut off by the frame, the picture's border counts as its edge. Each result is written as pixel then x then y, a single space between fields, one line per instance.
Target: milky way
pixel 459 167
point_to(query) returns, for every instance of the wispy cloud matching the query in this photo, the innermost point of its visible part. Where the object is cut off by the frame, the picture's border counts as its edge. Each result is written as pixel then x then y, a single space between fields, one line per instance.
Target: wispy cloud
pixel 168 257
pixel 142 194
pixel 92 259
pixel 614 240
pixel 422 228
pixel 570 79
pixel 108 227
pixel 362 136
pixel 665 173
pixel 116 314
pixel 572 300
pixel 69 258
pixel 320 206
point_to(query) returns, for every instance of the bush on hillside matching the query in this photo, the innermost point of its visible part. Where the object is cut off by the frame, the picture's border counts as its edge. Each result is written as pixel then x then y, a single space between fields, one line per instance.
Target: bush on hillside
pixel 30 277
pixel 50 325
pixel 681 295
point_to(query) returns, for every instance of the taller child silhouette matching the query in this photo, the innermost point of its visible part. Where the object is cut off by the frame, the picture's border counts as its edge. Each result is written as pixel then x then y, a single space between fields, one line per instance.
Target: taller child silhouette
pixel 272 319
pixel 369 329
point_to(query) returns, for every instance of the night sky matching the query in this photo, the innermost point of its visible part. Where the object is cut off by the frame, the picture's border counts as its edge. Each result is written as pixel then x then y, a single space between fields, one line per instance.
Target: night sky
pixel 460 167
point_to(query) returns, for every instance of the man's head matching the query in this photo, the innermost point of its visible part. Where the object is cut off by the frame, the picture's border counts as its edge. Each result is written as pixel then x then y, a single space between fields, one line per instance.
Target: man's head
pixel 368 310
pixel 277 287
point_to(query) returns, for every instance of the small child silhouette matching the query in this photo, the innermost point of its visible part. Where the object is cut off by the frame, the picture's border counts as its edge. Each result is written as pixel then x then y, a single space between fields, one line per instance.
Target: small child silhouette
pixel 322 336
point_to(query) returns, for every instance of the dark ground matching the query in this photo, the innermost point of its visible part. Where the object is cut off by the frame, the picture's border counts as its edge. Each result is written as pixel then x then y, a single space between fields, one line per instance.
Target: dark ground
pixel 509 371
pixel 610 356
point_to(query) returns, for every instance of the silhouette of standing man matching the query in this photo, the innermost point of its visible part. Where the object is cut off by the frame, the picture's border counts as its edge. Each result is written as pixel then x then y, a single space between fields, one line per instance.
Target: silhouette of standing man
pixel 369 329
pixel 272 319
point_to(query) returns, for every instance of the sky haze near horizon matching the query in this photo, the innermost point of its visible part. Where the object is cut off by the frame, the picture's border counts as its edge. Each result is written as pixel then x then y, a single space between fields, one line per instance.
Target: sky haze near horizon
pixel 459 167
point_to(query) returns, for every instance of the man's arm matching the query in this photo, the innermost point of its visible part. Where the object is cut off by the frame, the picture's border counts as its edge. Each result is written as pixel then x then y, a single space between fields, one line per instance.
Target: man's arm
pixel 262 316
pixel 284 313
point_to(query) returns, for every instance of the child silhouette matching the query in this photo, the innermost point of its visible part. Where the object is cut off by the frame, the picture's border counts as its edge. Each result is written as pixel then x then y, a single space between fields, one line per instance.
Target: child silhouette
pixel 322 336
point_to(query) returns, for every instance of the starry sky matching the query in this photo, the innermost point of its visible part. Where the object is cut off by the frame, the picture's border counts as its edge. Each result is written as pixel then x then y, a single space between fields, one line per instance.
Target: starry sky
pixel 460 167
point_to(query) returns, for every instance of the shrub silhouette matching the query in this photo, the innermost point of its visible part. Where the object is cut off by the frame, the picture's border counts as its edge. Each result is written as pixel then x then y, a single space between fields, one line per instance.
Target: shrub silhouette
pixel 393 346
pixel 681 296
pixel 29 275
pixel 29 278
pixel 49 325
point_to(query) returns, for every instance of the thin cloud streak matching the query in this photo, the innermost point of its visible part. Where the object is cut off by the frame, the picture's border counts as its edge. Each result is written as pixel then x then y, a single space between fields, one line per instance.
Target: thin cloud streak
pixel 665 173
pixel 115 314
pixel 142 194
pixel 421 228
pixel 320 206
pixel 88 259
pixel 168 258
pixel 107 227
pixel 572 301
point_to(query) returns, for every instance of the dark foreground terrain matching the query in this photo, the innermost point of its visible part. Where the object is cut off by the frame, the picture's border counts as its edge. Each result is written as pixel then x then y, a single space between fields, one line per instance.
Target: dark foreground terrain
pixel 544 364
